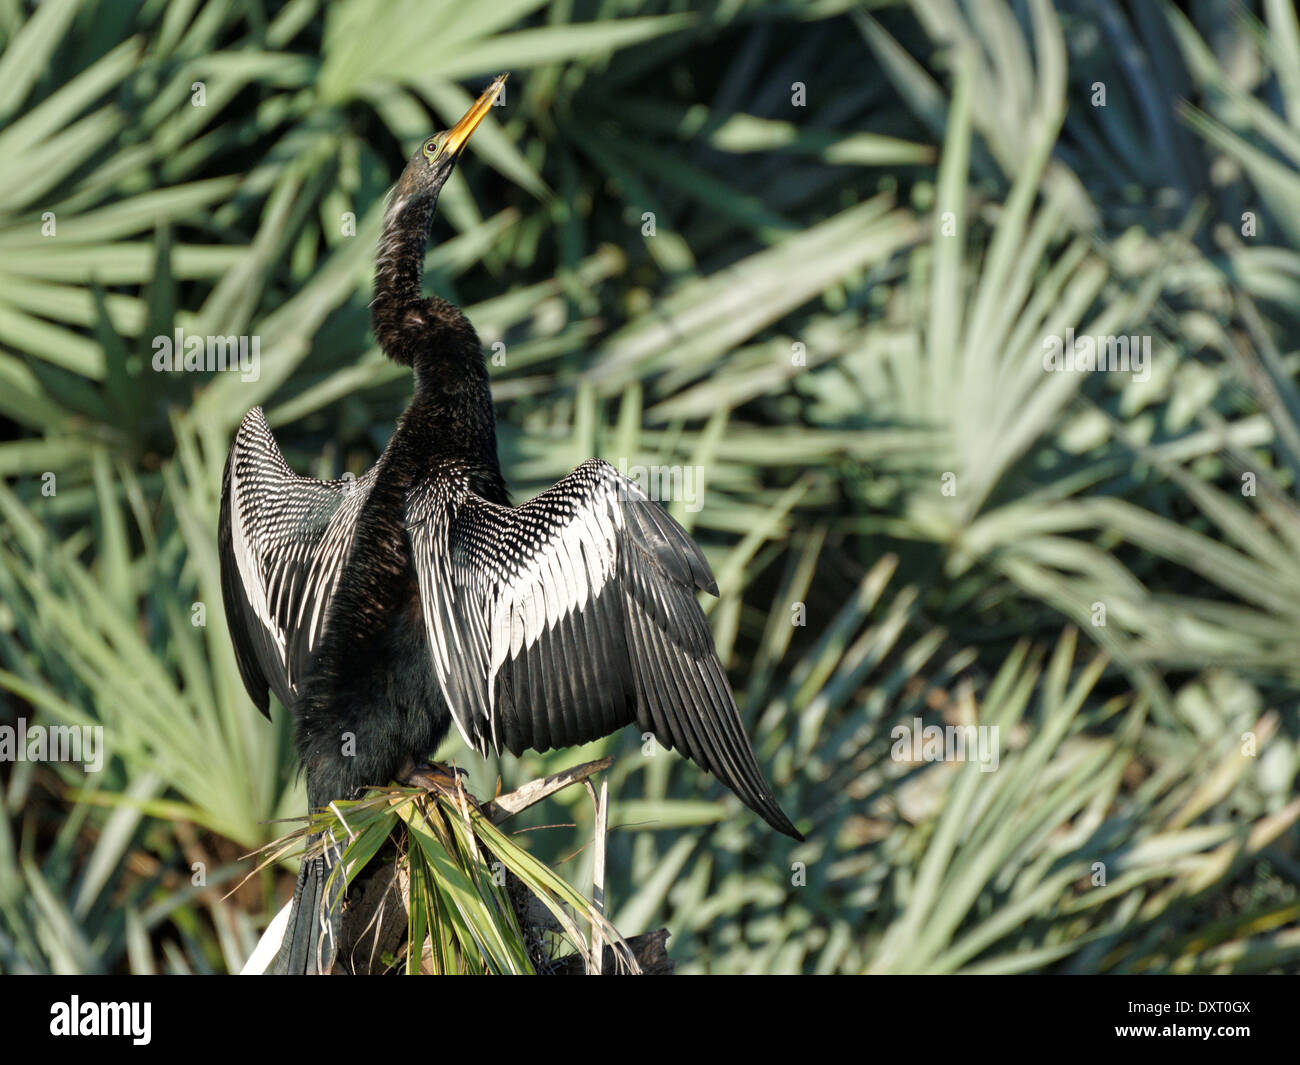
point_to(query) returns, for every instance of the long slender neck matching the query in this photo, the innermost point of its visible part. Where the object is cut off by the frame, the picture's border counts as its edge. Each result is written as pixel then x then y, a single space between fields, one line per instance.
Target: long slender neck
pixel 399 264
pixel 451 414
pixel 429 334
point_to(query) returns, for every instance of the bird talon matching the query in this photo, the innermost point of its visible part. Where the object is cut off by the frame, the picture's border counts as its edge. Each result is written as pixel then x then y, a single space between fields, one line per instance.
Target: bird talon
pixel 434 776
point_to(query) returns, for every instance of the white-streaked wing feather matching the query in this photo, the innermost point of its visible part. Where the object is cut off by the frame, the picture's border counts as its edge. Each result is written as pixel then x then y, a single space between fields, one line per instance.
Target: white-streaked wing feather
pixel 561 620
pixel 284 542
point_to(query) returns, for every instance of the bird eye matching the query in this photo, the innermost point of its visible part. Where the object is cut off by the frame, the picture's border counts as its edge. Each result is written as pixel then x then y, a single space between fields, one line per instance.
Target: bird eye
pixel 431 147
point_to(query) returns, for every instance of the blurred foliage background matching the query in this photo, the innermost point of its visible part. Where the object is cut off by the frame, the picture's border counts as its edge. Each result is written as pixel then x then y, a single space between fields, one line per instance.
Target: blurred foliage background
pixel 867 217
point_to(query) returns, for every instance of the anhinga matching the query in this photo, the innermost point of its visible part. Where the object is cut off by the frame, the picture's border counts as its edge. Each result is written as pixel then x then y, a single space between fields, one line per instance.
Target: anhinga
pixel 381 609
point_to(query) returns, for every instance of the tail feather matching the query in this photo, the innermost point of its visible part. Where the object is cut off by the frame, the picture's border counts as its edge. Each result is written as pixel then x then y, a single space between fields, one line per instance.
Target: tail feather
pixel 311 938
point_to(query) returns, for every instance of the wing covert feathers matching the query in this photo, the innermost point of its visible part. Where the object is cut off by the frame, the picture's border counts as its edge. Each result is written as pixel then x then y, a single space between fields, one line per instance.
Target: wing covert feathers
pixel 559 621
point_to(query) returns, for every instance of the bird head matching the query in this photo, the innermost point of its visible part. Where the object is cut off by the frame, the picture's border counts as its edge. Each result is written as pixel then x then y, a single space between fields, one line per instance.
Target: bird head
pixel 433 161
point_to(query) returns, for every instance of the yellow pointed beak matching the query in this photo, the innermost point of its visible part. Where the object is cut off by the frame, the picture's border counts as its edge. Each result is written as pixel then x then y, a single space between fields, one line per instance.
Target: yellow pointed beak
pixel 460 132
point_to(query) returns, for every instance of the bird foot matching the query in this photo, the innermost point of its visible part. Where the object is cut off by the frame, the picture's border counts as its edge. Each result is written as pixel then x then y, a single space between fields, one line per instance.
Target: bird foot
pixel 433 776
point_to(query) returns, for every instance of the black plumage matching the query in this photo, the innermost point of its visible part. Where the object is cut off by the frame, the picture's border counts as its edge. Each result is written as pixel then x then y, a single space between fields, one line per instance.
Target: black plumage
pixel 381 610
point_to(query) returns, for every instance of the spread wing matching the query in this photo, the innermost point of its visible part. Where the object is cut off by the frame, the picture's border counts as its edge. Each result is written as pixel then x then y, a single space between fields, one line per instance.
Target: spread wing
pixel 560 621
pixel 283 541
